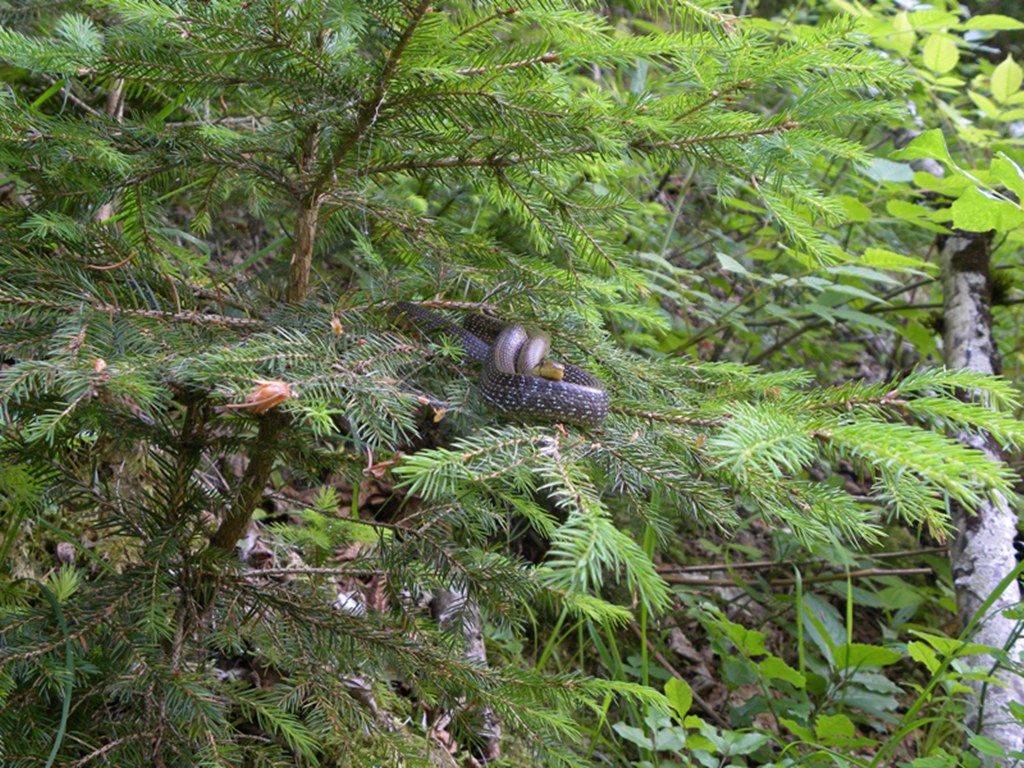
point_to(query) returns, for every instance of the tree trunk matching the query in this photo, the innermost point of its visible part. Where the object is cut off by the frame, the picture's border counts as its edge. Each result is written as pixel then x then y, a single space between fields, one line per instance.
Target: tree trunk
pixel 983 552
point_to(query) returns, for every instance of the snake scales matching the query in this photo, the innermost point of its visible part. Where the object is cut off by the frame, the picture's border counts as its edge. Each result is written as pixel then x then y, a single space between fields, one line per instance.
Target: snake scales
pixel 509 380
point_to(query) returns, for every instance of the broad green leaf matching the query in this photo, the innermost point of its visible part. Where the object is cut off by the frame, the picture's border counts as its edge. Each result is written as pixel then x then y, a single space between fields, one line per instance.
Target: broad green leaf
pixel 925 342
pixel 667 736
pixel 987 746
pixel 745 743
pixel 853 9
pixel 862 318
pixel 1008 173
pixel 907 211
pixel 950 646
pixel 898 35
pixel 1006 79
pixel 700 741
pixel 881 169
pixel 802 733
pixel 940 53
pixel 932 19
pixel 904 37
pixel 896 262
pixel 928 144
pixel 680 695
pixel 834 727
pixel 988 107
pixel 863 272
pixel 978 211
pixel 924 654
pixel 729 264
pixel 633 734
pixel 855 210
pixel 775 668
pixel 820 310
pixel 857 293
pixel 750 641
pixel 854 655
pixel 950 185
pixel 993 21
pixel 935 761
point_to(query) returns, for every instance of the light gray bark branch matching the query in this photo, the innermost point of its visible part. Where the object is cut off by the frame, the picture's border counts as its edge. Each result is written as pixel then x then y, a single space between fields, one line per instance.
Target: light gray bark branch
pixel 983 552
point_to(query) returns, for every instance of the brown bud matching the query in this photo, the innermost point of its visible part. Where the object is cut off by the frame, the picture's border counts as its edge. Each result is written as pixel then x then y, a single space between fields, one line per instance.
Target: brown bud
pixel 264 396
pixel 99 365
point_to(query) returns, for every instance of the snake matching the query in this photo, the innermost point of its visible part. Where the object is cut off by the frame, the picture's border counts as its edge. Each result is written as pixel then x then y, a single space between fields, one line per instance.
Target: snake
pixel 517 380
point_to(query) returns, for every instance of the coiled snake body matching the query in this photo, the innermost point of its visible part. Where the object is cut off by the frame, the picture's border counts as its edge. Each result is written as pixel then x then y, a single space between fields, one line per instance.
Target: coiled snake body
pixel 508 382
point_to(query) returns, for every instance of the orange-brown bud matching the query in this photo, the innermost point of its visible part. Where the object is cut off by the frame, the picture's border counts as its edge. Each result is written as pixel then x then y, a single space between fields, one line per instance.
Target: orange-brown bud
pixel 264 396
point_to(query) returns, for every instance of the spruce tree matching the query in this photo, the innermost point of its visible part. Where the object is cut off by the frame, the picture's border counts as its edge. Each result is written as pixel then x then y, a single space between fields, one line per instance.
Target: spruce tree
pixel 210 209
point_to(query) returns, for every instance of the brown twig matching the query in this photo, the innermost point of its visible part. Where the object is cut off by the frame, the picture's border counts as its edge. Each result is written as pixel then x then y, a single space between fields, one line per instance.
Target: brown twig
pixel 264 453
pixel 669 418
pixel 708 709
pixel 185 315
pixel 547 58
pixel 768 564
pixel 788 125
pixel 790 581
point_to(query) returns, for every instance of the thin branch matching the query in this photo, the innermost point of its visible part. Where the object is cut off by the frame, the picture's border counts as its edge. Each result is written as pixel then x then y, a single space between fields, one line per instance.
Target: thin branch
pixel 789 125
pixel 768 564
pixel 367 115
pixel 701 702
pixel 265 450
pixel 442 162
pixel 184 316
pixel 547 58
pixel 713 97
pixel 669 418
pixel 790 581
pixel 507 13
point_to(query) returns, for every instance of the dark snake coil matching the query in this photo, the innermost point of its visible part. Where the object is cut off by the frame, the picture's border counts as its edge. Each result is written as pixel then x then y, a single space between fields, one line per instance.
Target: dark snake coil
pixel 505 381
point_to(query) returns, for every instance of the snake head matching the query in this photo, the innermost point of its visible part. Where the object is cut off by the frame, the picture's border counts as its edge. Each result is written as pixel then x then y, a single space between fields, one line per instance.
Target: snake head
pixel 549 369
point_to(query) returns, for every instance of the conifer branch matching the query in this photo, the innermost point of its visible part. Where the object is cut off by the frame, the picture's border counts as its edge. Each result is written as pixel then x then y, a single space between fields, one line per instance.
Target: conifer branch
pixel 714 96
pixel 668 417
pixel 512 159
pixel 110 745
pixel 727 20
pixel 367 115
pixel 788 125
pixel 502 14
pixel 496 161
pixel 307 221
pixel 181 316
pixel 547 58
